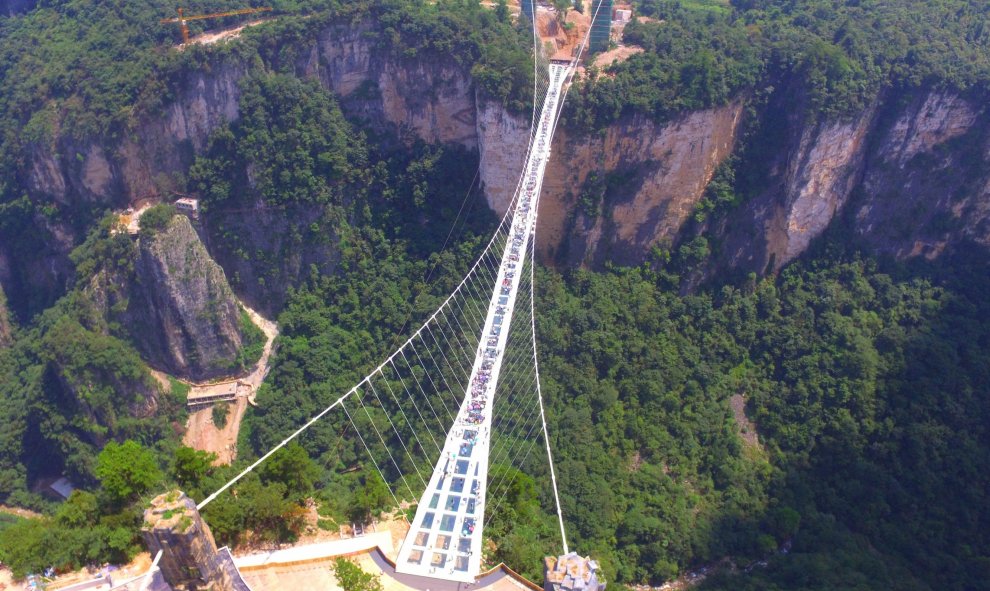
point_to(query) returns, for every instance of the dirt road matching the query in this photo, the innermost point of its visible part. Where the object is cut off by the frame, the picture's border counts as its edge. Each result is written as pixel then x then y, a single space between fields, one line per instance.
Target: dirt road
pixel 201 432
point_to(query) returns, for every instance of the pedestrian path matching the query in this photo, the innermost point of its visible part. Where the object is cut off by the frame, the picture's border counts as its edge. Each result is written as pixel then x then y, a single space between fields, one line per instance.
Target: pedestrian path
pixel 445 539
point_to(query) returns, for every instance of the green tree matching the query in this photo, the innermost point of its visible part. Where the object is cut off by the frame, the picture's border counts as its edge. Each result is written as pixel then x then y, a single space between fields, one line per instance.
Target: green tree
pixel 371 499
pixel 127 470
pixel 219 413
pixel 190 466
pixel 502 11
pixel 292 467
pixel 155 219
pixel 352 577
pixel 81 509
pixel 22 546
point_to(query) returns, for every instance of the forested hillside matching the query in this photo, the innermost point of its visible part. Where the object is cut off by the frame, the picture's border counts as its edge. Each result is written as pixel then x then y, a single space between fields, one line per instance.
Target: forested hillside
pixel 818 428
pixel 705 52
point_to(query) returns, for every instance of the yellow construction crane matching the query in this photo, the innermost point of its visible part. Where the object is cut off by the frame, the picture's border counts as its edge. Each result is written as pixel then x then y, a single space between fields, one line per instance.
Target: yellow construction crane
pixel 181 19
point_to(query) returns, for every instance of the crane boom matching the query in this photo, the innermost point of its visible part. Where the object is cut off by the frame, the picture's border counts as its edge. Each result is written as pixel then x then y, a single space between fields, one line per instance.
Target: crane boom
pixel 181 19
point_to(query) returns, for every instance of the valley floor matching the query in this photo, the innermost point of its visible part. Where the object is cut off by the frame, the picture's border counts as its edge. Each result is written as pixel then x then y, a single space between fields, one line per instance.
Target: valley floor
pixel 201 432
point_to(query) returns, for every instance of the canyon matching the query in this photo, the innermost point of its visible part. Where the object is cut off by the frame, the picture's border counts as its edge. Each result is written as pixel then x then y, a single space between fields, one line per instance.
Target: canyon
pixel 889 172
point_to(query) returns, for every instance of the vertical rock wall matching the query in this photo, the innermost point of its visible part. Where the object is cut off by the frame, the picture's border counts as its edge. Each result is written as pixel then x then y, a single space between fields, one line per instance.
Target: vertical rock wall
pixel 502 142
pixel 655 175
pixel 910 176
pixel 192 320
pixel 927 182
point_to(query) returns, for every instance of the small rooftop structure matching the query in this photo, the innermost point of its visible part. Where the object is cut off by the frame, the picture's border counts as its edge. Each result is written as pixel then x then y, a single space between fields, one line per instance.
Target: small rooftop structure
pixel 223 392
pixel 63 486
pixel 571 572
pixel 623 15
pixel 188 206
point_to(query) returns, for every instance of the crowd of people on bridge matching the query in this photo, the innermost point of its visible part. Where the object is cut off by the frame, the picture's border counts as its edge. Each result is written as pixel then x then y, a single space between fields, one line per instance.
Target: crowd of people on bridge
pixel 470 425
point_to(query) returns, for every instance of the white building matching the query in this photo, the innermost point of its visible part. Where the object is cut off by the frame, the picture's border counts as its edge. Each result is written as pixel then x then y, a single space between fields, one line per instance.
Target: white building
pixel 188 206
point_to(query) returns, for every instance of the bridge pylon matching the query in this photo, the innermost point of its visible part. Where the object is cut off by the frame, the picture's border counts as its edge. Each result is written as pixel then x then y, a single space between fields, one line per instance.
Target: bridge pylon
pixel 189 559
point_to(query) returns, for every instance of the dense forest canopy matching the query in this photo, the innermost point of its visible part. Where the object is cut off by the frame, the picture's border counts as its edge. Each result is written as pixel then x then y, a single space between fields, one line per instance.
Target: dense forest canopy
pixel 844 53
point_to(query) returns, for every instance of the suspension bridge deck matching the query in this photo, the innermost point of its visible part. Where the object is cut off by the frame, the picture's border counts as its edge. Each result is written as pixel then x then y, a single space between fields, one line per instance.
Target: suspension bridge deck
pixel 445 540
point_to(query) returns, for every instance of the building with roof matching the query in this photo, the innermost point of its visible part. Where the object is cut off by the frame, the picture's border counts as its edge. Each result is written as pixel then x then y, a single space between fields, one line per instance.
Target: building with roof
pixel 188 206
pixel 571 572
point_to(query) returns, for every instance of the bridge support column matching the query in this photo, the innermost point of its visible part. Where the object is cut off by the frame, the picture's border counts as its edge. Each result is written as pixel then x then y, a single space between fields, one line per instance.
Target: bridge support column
pixel 190 560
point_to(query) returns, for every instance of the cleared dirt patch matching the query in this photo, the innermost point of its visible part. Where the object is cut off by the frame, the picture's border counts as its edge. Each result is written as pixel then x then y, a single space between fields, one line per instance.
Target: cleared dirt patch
pixel 201 432
pixel 25 513
pixel 747 430
pixel 617 55
pixel 226 34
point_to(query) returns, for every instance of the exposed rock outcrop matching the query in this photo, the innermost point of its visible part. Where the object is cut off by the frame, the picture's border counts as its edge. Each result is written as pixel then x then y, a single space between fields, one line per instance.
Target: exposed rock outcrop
pixel 426 98
pixel 811 179
pixel 142 163
pixel 608 197
pixel 910 176
pixel 502 142
pixel 418 98
pixel 926 183
pixel 195 327
pixel 649 178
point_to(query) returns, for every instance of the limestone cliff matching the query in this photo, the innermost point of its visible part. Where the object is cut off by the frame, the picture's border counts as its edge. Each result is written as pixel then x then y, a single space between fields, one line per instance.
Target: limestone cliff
pixel 431 100
pixel 192 324
pixel 910 176
pixel 502 142
pixel 142 164
pixel 892 169
pixel 647 180
pixel 418 98
pixel 926 183
pixel 426 98
pixel 83 176
pixel 809 180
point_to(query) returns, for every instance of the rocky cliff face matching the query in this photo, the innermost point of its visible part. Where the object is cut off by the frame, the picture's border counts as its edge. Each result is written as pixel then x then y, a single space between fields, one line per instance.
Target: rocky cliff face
pixel 418 98
pixel 142 164
pixel 193 324
pixel 90 175
pixel 926 183
pixel 502 142
pixel 893 168
pixel 433 101
pixel 613 196
pixel 910 176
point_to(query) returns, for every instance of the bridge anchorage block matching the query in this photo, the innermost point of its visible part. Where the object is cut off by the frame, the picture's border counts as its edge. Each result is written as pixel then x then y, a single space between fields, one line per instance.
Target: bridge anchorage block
pixel 190 560
pixel 571 572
